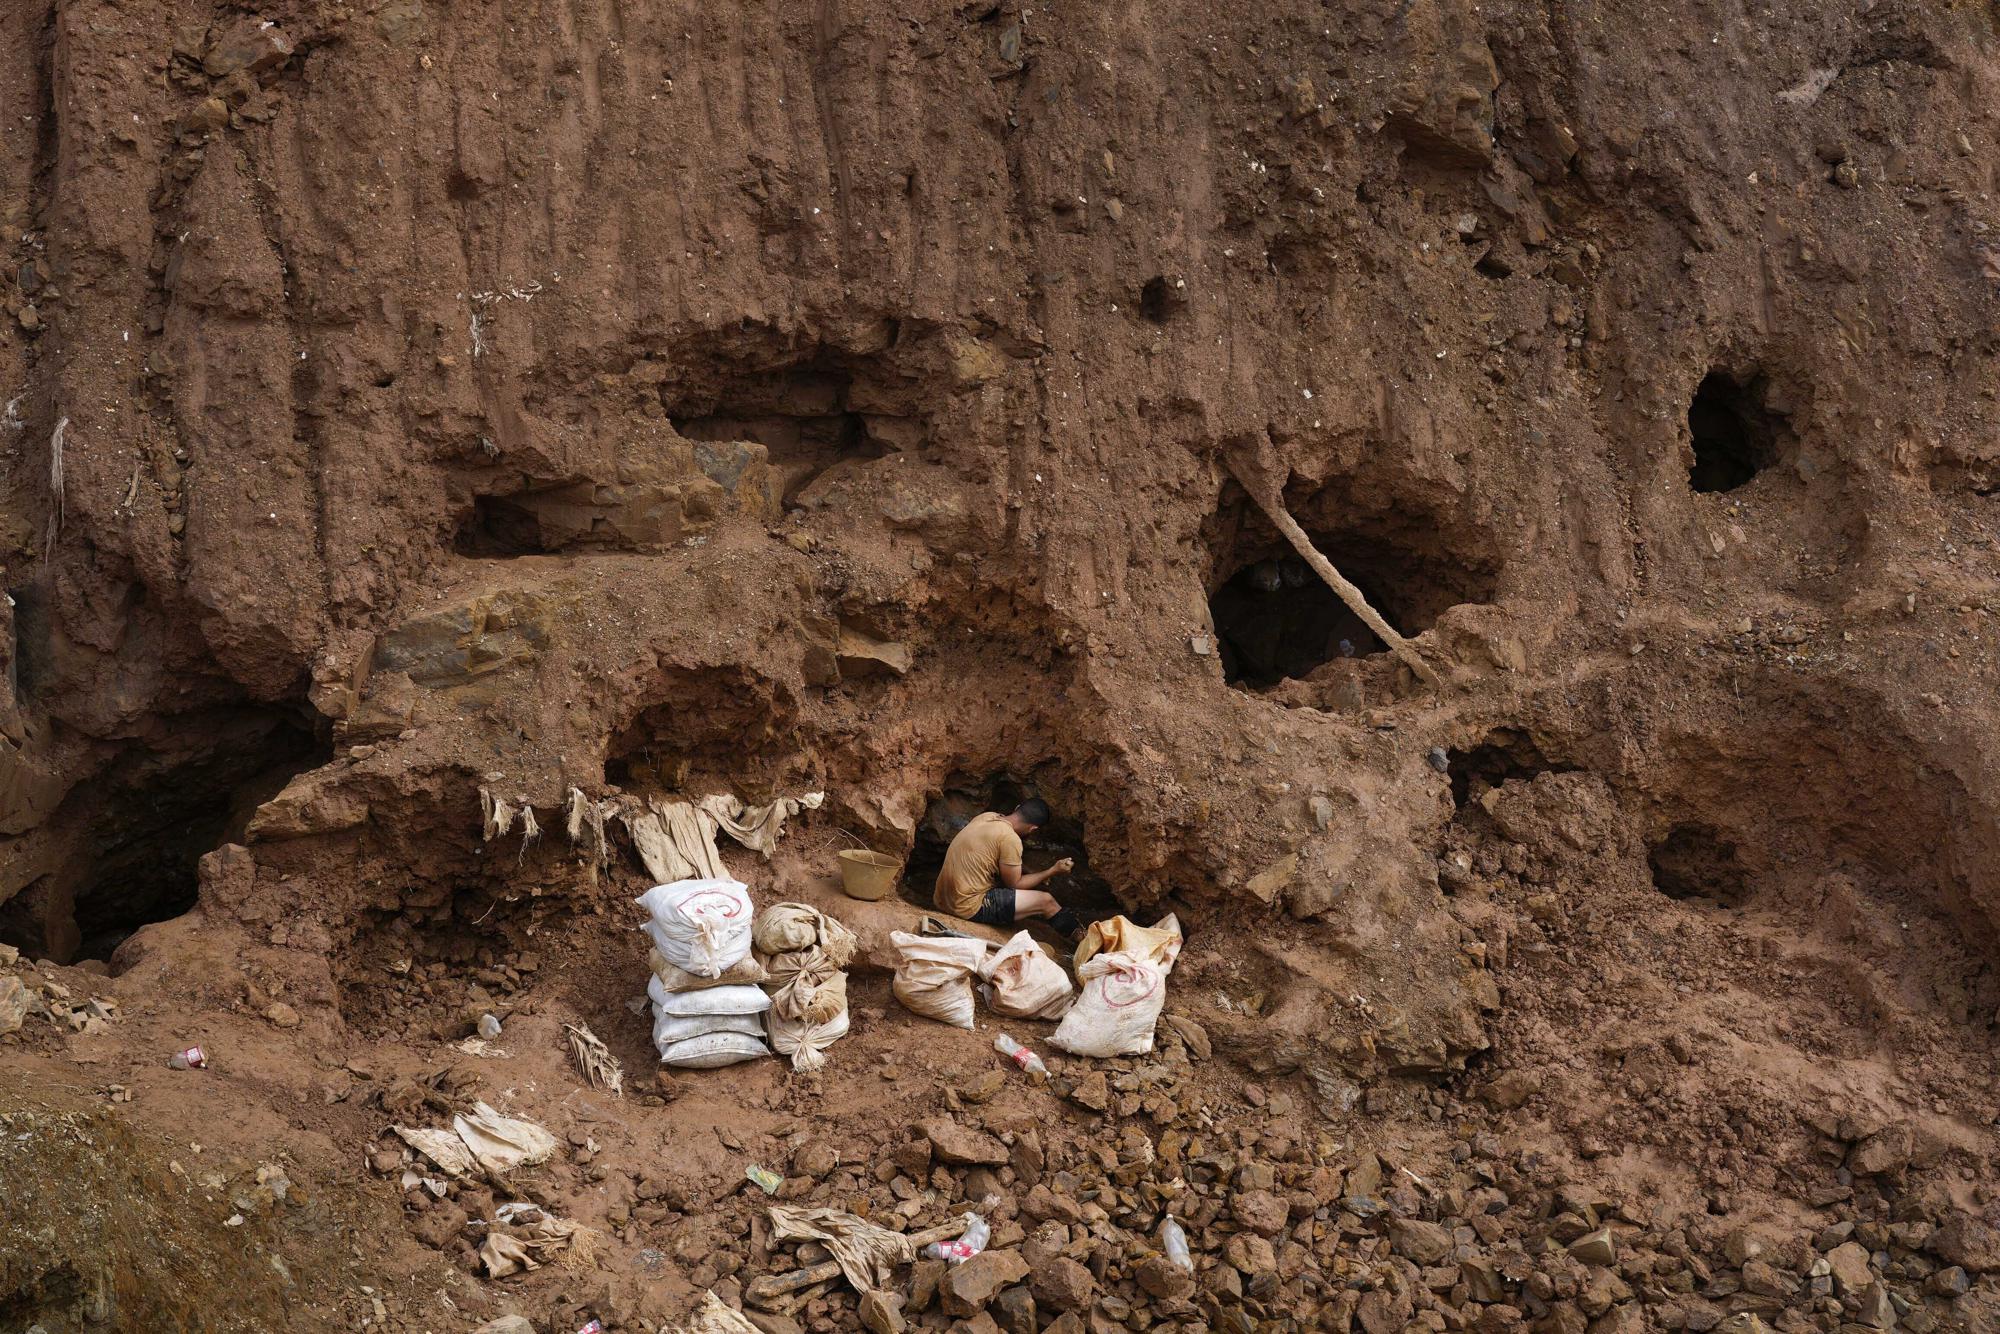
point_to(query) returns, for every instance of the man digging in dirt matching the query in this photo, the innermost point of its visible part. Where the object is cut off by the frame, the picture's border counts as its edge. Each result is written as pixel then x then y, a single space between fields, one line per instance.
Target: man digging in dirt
pixel 981 879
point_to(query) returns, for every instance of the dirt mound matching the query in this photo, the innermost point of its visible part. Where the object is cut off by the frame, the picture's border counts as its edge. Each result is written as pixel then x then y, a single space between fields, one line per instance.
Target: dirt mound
pixel 412 415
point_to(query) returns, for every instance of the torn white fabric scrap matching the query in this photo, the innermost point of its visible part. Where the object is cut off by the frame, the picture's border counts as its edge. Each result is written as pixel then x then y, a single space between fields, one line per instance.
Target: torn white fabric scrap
pixel 442 1147
pixel 502 1143
pixel 757 827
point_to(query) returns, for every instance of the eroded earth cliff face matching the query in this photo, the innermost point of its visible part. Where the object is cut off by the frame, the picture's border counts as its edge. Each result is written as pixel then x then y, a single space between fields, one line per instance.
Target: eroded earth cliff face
pixel 587 400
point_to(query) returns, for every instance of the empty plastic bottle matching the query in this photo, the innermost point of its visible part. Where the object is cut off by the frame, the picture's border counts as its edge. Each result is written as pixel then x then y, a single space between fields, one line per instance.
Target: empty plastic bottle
pixel 1173 1240
pixel 1020 1056
pixel 970 1242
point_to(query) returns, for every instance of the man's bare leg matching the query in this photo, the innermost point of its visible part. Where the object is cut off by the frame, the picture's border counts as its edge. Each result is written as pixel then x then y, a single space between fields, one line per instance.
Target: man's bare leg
pixel 1038 903
pixel 1034 903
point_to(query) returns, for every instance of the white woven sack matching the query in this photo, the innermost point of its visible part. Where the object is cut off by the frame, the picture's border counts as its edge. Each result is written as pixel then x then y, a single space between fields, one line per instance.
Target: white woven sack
pixel 714 1049
pixel 702 926
pixel 709 1000
pixel 1023 982
pixel 934 975
pixel 745 971
pixel 671 1028
pixel 1121 1001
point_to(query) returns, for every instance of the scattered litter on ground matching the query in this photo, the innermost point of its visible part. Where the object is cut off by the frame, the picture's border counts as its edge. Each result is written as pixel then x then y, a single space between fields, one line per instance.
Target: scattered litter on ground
pixel 865 1252
pixel 964 1246
pixel 594 1061
pixel 714 1316
pixel 1021 1056
pixel 486 1141
pixel 525 1236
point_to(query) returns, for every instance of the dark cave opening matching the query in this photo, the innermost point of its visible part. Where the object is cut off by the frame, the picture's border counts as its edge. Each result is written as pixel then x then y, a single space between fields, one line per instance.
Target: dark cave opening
pixel 1735 436
pixel 500 528
pixel 808 415
pixel 1695 861
pixel 1504 753
pixel 963 797
pixel 146 827
pixel 25 664
pixel 1276 620
pixel 1161 299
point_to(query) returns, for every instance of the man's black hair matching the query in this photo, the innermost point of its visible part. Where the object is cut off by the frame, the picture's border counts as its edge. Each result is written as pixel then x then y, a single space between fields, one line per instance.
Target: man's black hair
pixel 1034 810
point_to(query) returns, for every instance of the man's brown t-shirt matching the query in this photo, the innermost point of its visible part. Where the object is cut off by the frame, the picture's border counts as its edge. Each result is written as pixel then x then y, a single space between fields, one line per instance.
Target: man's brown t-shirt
pixel 972 863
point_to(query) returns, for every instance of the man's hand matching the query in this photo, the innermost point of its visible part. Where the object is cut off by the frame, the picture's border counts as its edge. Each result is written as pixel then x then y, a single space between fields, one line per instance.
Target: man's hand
pixel 1011 875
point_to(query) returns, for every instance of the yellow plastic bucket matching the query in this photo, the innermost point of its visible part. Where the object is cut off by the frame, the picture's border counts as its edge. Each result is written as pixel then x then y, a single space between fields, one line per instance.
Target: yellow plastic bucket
pixel 868 875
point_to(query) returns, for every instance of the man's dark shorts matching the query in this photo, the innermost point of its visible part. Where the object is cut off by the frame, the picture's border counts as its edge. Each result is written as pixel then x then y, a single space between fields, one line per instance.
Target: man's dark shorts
pixel 997 908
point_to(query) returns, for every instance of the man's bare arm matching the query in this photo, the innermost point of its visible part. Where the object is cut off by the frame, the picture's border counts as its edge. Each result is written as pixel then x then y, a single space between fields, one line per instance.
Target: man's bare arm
pixel 1012 877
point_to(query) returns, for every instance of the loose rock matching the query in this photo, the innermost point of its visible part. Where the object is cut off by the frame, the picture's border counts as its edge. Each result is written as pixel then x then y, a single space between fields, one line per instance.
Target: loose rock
pixel 1968 1243
pixel 881 1313
pixel 1260 1211
pixel 1093 1092
pixel 1595 1248
pixel 13 1004
pixel 1063 1285
pixel 969 1288
pixel 1420 1242
pixel 954 1143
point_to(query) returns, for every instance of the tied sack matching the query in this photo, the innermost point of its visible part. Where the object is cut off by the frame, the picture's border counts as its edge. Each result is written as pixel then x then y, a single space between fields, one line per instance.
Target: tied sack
pixel 1159 943
pixel 706 1002
pixel 671 1028
pixel 700 926
pixel 1022 982
pixel 934 975
pixel 745 971
pixel 714 1049
pixel 1122 996
pixel 804 951
pixel 802 1037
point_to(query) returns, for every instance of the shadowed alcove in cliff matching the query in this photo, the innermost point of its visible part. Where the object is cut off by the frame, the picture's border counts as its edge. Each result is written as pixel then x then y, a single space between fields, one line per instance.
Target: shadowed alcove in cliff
pixel 965 796
pixel 1735 434
pixel 1277 620
pixel 1694 861
pixel 812 408
pixel 145 829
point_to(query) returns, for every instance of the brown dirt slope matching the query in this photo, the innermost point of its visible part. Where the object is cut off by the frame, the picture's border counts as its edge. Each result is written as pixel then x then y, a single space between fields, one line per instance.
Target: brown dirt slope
pixel 401 399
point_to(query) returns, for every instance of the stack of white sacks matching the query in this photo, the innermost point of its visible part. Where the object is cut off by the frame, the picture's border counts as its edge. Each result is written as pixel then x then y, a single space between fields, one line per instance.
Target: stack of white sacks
pixel 708 1006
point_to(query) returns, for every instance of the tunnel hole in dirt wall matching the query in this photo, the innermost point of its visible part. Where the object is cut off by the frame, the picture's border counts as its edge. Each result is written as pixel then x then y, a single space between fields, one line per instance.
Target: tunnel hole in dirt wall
pixel 1276 619
pixel 140 830
pixel 1503 755
pixel 811 411
pixel 502 527
pixel 1735 433
pixel 1695 861
pixel 965 796
pixel 701 730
